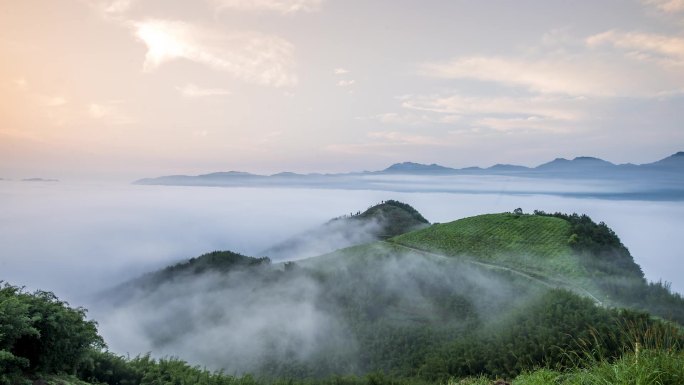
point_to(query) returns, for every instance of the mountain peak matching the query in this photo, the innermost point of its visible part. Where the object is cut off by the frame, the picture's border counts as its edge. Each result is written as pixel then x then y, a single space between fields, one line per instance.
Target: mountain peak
pixel 577 164
pixel 674 162
pixel 412 167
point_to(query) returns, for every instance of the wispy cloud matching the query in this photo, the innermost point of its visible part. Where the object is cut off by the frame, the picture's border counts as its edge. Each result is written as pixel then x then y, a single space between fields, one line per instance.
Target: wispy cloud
pixel 192 91
pixel 281 6
pixel 111 9
pixel 663 49
pixel 557 108
pixel 346 83
pixel 118 6
pixel 52 101
pixel 523 125
pixel 668 6
pixel 481 115
pixel 639 65
pixel 413 119
pixel 252 57
pixel 401 138
pixel 548 75
pixel 109 113
pixel 340 71
pixel 39 98
pixel 21 83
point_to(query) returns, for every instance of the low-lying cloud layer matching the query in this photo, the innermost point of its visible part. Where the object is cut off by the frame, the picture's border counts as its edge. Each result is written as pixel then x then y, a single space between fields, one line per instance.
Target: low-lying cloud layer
pixel 249 317
pixel 76 239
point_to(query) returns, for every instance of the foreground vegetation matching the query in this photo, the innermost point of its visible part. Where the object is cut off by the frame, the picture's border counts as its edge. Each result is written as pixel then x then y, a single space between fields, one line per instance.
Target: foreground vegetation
pixel 574 341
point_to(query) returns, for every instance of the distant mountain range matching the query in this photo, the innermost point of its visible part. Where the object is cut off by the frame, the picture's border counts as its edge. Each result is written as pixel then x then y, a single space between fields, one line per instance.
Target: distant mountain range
pixel 584 165
pixel 663 179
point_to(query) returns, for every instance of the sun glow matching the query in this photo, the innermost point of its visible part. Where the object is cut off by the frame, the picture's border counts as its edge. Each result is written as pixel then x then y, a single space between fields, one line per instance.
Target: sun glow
pixel 165 41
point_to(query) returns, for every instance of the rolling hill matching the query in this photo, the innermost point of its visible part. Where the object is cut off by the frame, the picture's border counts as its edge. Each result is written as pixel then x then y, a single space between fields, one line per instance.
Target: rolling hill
pixel 527 284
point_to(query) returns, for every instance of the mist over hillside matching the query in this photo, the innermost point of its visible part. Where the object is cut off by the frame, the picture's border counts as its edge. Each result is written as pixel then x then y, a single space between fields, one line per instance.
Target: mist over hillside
pixel 381 221
pixel 94 236
pixel 385 305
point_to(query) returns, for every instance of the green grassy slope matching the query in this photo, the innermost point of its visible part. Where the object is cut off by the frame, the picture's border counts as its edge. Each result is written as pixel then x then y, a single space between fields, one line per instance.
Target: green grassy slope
pixel 566 251
pixel 533 244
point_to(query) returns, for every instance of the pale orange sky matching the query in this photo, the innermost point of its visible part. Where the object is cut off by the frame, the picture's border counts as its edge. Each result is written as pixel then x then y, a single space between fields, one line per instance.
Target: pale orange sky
pixel 131 88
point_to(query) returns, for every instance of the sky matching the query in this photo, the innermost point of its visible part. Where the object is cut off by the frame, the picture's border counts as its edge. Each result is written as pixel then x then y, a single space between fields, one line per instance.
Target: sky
pixel 123 89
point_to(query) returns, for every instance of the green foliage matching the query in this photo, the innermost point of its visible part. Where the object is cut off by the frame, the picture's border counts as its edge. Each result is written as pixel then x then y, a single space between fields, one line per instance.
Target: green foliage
pixel 601 249
pixel 569 251
pixel 382 207
pixel 215 261
pixel 534 244
pixel 219 261
pixel 610 265
pixel 40 333
pixel 15 322
pixel 648 367
pixel 394 217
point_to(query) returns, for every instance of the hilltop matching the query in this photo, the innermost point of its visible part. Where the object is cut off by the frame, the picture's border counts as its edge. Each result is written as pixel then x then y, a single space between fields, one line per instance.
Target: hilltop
pixel 569 251
pixel 384 220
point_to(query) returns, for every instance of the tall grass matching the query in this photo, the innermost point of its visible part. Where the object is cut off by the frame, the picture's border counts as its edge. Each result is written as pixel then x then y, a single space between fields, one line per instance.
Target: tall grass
pixel 652 355
pixel 647 367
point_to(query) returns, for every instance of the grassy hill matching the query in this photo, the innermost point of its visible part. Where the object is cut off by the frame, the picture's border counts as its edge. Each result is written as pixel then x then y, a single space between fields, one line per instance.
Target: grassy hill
pixel 566 251
pixel 394 218
pixel 532 243
pixel 497 294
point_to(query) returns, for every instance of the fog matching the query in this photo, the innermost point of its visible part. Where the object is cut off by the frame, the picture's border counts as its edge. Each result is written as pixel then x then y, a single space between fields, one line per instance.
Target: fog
pixel 79 239
pixel 250 317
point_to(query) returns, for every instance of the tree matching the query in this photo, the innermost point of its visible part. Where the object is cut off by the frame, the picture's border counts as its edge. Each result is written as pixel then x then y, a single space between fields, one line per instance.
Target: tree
pixel 40 333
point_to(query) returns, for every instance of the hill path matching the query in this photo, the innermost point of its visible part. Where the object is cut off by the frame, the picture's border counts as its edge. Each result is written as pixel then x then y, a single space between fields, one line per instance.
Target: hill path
pixel 555 283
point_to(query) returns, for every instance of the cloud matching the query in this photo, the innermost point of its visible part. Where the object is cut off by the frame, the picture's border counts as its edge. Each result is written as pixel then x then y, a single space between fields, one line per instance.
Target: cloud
pixel 281 6
pixel 663 49
pixel 251 57
pixel 119 6
pixel 412 119
pixel 21 83
pixel 557 108
pixel 401 138
pixel 638 65
pixel 548 75
pixel 522 125
pixel 39 98
pixel 542 113
pixel 110 113
pixel 52 101
pixel 340 71
pixel 668 6
pixel 110 9
pixel 192 91
pixel 346 83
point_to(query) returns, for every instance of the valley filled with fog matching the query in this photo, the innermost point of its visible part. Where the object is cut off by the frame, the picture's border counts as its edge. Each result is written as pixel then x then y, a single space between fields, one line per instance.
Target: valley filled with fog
pixel 76 239
pixel 81 239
